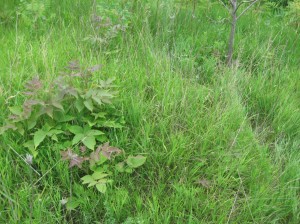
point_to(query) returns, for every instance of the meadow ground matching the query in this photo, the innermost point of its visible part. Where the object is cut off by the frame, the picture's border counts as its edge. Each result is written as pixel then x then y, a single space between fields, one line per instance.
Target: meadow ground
pixel 222 144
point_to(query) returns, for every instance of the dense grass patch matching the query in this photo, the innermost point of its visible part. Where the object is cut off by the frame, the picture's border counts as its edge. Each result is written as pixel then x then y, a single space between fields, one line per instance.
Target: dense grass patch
pixel 222 144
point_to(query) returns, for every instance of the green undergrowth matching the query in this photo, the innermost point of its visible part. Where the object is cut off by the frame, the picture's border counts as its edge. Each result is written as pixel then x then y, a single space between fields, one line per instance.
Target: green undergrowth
pixel 222 144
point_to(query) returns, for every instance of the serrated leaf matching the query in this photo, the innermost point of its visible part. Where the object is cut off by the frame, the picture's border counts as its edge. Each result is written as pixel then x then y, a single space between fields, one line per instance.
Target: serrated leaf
pixel 92 183
pixel 89 104
pixel 97 99
pixel 38 137
pixel 99 175
pixel 101 188
pixel 89 142
pixel 87 179
pixel 75 129
pixel 74 159
pixel 77 138
pixel 103 181
pixel 108 151
pixel 135 161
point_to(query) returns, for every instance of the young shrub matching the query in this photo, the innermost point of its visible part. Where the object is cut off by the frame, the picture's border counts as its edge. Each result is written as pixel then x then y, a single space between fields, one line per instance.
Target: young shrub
pixel 77 119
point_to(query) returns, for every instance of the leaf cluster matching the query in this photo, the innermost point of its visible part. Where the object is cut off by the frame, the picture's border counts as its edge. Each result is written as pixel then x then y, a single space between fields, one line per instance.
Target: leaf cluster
pixel 73 113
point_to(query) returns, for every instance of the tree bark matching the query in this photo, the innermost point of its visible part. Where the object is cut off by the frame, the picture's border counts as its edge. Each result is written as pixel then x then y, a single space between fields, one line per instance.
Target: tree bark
pixel 232 32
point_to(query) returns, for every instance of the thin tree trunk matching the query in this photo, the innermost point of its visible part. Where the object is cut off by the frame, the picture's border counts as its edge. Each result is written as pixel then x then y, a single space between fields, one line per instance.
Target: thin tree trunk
pixel 232 33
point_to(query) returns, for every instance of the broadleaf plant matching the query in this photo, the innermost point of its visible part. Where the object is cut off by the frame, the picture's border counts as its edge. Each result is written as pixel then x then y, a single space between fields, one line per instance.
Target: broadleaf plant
pixel 75 115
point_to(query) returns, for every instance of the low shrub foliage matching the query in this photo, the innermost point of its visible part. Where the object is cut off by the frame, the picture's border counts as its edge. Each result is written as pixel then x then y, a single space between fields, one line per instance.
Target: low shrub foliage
pixel 76 119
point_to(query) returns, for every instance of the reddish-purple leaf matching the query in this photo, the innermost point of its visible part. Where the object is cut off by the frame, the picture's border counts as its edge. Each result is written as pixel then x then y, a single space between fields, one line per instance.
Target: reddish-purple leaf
pixel 95 155
pixel 33 102
pixel 13 117
pixel 73 65
pixel 107 150
pixel 34 84
pixel 83 149
pixel 94 68
pixel 74 159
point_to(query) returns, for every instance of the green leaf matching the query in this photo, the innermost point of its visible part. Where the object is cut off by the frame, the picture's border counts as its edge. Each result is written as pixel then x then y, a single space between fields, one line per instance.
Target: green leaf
pixel 92 183
pixel 55 132
pixel 128 170
pixel 101 138
pixel 33 152
pixel 47 127
pixel 135 161
pixel 101 187
pixel 31 122
pixel 54 138
pixel 103 181
pixel 7 127
pixel 16 110
pixel 75 129
pixel 99 175
pixel 49 111
pixel 38 137
pixel 89 142
pixel 111 124
pixel 61 117
pixel 20 128
pixel 89 104
pixel 72 204
pixel 77 138
pixel 97 100
pixel 95 132
pixel 99 115
pixel 57 105
pixel 29 144
pixel 79 104
pixel 102 159
pixel 120 167
pixel 86 129
pixel 87 179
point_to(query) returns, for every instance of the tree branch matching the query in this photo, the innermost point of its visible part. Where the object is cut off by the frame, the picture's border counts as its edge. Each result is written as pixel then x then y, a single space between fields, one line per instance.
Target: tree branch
pixel 243 2
pixel 246 9
pixel 224 5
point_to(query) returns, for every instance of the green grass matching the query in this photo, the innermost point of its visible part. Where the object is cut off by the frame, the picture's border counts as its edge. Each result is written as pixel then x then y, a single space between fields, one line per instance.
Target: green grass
pixel 236 131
